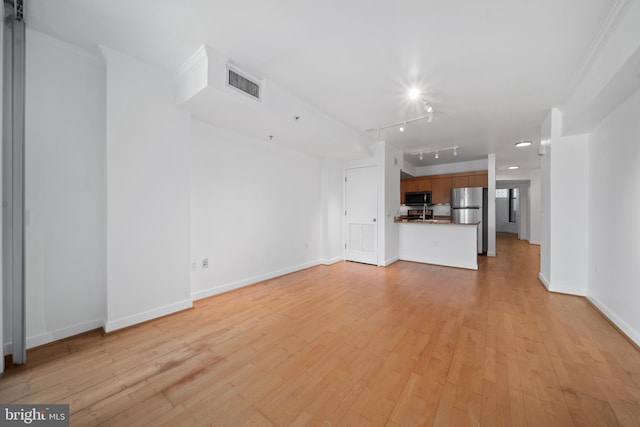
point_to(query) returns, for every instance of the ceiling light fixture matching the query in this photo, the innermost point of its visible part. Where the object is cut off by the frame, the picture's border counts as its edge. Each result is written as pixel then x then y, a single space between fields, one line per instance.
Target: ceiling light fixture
pixel 414 93
pixel 435 151
pixel 402 124
pixel 513 167
pixel 523 143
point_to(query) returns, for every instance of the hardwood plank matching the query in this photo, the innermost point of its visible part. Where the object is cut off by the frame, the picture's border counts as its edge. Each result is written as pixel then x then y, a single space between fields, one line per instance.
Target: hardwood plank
pixel 351 344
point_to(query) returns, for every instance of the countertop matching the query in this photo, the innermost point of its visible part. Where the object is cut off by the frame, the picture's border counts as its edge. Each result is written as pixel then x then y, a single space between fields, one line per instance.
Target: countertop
pixel 431 221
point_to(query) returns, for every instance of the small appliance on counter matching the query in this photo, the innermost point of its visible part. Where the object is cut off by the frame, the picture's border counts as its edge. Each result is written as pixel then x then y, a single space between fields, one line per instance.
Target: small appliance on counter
pixel 418 214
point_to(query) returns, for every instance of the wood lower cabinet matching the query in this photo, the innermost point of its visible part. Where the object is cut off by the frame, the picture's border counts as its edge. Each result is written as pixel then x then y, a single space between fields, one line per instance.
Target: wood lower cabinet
pixel 441 190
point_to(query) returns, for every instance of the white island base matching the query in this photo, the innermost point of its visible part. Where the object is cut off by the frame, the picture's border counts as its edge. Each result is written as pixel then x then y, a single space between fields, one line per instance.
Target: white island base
pixel 452 245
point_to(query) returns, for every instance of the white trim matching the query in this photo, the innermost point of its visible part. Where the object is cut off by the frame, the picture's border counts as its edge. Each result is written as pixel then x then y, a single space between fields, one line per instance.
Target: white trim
pixel 205 293
pixel 633 334
pixel 332 260
pixel 544 280
pixel 134 319
pixel 616 14
pixel 491 253
pixel 569 290
pixel 390 261
pixel 94 57
pixel 195 59
pixel 55 335
pixel 110 54
pixel 439 261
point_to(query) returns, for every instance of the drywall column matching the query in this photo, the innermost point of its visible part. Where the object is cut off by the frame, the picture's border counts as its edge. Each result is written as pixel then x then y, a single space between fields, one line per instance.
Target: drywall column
pixel 491 211
pixel 148 194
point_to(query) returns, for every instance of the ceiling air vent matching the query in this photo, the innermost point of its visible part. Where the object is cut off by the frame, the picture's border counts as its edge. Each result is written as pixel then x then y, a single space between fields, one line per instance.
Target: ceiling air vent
pixel 241 82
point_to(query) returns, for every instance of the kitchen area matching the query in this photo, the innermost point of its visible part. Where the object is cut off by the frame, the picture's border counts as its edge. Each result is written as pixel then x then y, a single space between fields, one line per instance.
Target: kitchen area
pixel 443 219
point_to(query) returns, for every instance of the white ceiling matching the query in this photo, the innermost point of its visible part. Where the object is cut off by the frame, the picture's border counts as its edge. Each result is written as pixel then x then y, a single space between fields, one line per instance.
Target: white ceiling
pixel 491 69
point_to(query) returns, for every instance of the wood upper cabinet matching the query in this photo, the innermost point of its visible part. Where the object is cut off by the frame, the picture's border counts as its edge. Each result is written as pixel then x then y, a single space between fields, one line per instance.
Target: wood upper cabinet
pixel 459 181
pixel 480 180
pixel 424 184
pixel 441 190
pixel 441 185
pixel 416 184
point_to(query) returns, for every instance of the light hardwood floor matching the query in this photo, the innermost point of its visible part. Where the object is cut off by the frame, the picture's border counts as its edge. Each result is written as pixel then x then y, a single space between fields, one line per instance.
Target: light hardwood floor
pixel 352 344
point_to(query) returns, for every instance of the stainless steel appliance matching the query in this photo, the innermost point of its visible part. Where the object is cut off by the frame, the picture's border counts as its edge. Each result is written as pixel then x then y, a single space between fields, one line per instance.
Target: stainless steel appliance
pixel 418 198
pixel 467 206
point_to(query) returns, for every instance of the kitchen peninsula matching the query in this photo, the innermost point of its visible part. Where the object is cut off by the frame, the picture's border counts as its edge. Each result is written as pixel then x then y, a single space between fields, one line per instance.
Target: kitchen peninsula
pixel 440 242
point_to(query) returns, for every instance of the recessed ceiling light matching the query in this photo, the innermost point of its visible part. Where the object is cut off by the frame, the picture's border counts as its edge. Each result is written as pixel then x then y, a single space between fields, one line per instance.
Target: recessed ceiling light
pixel 401 129
pixel 513 167
pixel 523 143
pixel 414 93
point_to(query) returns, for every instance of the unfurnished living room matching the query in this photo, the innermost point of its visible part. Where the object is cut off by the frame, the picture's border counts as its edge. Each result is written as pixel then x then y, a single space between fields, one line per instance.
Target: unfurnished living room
pixel 320 213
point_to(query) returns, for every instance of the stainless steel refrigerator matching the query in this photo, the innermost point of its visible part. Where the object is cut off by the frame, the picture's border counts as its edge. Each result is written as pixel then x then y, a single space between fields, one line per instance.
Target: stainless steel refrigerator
pixel 469 205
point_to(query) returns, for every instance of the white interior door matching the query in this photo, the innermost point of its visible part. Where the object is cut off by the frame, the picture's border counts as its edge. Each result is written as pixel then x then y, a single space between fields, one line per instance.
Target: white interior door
pixel 361 202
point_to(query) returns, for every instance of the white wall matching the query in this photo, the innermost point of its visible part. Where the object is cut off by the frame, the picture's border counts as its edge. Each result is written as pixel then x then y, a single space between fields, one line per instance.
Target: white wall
pixel 564 194
pixel 148 194
pixel 502 217
pixel 65 190
pixel 491 209
pixel 545 200
pixel 569 213
pixel 470 166
pixel 262 219
pixel 534 207
pixel 392 165
pixel 614 232
pixel 332 234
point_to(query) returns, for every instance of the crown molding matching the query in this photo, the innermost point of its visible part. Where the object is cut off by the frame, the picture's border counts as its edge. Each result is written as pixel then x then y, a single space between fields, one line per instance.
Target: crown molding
pixel 610 24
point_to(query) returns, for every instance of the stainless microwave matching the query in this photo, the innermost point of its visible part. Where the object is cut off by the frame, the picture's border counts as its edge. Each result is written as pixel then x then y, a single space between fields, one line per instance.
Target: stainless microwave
pixel 418 198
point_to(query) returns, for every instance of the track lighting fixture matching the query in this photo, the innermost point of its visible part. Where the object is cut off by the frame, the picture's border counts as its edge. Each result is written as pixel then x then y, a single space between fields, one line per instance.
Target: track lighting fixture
pixel 435 151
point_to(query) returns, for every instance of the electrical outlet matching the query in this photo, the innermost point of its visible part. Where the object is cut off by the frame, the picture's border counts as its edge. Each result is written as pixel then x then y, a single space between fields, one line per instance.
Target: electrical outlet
pixel 205 262
pixel 194 266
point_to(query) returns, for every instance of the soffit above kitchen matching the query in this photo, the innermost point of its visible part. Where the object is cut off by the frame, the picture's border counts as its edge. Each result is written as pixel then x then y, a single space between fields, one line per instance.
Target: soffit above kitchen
pixel 491 70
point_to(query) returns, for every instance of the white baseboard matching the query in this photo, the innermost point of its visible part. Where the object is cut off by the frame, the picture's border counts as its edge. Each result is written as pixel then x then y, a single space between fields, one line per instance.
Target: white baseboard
pixel 332 260
pixel 442 262
pixel 491 253
pixel 112 325
pixel 58 334
pixel 390 261
pixel 633 334
pixel 544 280
pixel 534 242
pixel 218 289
